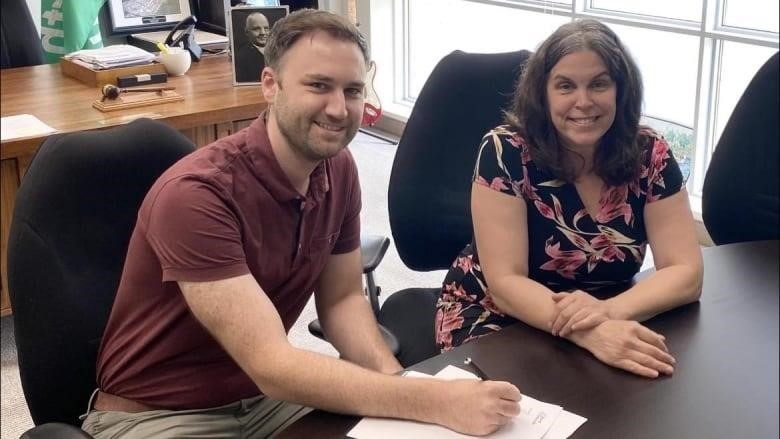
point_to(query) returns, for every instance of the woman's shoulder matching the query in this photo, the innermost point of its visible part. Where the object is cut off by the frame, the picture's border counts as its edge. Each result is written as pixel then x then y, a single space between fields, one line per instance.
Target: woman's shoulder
pixel 649 138
pixel 506 135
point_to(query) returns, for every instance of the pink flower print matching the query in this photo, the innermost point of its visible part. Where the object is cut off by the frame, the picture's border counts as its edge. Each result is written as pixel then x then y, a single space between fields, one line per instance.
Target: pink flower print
pixel 634 187
pixel 448 319
pixel 607 255
pixel 659 155
pixel 525 155
pixel 563 262
pixel 454 292
pixel 465 263
pixel 600 241
pixel 655 176
pixel 544 209
pixel 515 140
pixel 613 204
pixel 498 183
pixel 611 252
pixel 488 304
pixel 528 190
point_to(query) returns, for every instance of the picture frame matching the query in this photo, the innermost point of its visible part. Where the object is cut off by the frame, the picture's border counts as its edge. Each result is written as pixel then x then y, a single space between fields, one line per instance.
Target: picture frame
pixel 129 17
pixel 244 24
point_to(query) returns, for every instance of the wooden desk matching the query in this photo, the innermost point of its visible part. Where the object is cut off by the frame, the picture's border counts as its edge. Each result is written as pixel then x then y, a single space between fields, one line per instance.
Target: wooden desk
pixel 725 382
pixel 212 108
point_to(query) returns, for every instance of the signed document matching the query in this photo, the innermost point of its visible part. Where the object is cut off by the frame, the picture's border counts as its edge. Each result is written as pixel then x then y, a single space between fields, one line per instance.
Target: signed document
pixel 537 419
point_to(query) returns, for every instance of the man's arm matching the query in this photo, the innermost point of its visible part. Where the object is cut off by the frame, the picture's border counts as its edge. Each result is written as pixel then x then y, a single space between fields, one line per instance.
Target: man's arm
pixel 242 318
pixel 346 317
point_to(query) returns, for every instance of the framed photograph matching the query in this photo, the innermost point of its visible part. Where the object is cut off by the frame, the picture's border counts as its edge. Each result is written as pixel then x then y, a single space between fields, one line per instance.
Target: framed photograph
pixel 137 16
pixel 248 30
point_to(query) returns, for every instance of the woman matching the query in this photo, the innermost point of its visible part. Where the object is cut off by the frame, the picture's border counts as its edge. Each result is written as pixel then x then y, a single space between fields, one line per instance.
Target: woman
pixel 565 198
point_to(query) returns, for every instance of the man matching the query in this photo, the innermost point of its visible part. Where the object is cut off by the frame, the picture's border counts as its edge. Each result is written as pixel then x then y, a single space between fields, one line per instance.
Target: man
pixel 229 245
pixel 250 57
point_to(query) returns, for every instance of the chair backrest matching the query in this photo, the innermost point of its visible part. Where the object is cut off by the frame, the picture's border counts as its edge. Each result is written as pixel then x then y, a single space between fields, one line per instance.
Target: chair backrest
pixel 740 193
pixel 74 213
pixel 20 44
pixel 430 182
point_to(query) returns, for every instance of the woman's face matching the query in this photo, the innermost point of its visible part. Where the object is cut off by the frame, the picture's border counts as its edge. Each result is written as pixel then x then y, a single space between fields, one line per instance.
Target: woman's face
pixel 582 98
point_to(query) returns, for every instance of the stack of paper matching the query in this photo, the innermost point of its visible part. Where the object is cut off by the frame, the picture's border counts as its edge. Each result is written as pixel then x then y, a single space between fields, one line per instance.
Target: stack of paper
pixel 537 420
pixel 118 55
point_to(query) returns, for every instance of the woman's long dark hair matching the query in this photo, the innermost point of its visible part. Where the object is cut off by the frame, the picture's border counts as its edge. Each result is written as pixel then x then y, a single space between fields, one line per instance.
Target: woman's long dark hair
pixel 617 157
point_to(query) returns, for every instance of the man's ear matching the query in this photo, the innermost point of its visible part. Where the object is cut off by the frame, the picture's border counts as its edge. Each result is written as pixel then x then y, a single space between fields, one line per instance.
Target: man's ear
pixel 269 84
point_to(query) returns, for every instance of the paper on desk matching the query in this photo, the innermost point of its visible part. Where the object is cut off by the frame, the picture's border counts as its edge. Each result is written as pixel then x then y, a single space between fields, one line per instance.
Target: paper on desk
pixel 117 55
pixel 537 420
pixel 22 125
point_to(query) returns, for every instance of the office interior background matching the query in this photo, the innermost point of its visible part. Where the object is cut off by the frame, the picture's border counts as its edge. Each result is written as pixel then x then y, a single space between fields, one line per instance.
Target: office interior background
pixel 696 56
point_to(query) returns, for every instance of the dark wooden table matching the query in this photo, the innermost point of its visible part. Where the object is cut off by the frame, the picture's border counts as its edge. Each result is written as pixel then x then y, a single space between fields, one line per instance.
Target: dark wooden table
pixel 725 383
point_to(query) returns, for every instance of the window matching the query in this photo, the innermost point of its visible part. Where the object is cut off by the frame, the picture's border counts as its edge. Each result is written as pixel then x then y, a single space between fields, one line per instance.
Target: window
pixel 696 56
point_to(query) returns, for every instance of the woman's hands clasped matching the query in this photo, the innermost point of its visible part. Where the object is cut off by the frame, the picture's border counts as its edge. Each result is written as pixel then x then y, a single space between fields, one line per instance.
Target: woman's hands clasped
pixel 627 345
pixel 577 310
pixel 624 344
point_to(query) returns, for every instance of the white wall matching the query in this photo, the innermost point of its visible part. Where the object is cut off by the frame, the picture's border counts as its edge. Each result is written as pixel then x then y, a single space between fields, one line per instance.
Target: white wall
pixel 35 10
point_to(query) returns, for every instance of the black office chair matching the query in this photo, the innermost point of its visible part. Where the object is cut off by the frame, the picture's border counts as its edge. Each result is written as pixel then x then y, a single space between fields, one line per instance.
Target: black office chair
pixel 740 193
pixel 20 44
pixel 373 249
pixel 74 213
pixel 430 182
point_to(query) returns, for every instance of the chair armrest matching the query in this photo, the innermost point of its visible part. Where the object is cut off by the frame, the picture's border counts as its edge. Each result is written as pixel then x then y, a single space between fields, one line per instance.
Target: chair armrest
pixel 390 339
pixel 373 249
pixel 57 430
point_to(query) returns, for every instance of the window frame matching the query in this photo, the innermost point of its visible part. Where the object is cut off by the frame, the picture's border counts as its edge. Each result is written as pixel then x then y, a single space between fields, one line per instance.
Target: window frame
pixel 710 31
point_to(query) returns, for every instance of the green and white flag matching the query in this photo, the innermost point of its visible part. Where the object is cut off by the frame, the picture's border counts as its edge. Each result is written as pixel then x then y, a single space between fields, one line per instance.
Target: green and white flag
pixel 69 25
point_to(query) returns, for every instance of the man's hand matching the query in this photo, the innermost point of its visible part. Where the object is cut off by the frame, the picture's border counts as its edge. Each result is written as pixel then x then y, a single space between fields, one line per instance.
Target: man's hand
pixel 490 405
pixel 627 345
pixel 575 311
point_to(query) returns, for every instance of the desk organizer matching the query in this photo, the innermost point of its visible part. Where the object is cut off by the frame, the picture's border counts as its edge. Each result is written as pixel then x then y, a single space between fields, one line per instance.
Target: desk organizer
pixel 98 78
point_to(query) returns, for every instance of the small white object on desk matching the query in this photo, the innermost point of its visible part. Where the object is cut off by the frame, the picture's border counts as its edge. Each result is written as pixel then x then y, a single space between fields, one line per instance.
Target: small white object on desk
pixel 537 419
pixel 23 125
pixel 176 60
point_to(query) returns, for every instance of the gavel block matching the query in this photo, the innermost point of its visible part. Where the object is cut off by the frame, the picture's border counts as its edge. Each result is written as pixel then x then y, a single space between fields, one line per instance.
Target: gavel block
pixel 118 99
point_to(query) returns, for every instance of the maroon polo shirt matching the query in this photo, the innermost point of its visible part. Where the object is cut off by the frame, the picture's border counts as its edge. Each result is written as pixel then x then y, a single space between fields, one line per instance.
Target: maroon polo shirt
pixel 225 210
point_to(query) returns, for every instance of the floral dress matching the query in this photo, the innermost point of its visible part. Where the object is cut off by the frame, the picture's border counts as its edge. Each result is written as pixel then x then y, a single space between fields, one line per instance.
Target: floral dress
pixel 567 248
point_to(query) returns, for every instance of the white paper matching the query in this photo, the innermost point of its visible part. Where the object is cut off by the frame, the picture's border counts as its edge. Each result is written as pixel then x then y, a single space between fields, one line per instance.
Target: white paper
pixel 23 125
pixel 117 55
pixel 564 426
pixel 537 419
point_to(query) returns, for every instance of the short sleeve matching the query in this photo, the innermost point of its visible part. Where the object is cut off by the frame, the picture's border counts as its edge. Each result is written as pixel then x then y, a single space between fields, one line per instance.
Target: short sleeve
pixel 664 177
pixel 499 162
pixel 194 232
pixel 349 236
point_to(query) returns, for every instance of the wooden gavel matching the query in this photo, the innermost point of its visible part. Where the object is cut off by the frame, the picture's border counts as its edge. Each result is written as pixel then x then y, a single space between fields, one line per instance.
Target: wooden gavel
pixel 112 92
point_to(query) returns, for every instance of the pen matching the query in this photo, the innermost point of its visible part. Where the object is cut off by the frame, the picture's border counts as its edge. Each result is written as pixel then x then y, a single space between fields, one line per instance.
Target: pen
pixel 480 373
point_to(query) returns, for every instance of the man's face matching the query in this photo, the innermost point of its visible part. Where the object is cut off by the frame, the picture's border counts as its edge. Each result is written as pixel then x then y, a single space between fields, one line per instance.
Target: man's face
pixel 317 95
pixel 257 29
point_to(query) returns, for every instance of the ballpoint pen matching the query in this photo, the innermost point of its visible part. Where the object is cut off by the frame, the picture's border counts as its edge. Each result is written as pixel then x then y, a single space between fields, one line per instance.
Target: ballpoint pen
pixel 480 373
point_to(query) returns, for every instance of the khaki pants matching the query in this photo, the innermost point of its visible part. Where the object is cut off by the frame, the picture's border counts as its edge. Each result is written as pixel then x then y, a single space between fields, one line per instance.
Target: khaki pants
pixel 258 417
